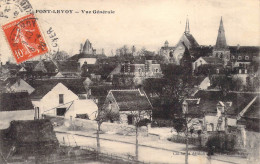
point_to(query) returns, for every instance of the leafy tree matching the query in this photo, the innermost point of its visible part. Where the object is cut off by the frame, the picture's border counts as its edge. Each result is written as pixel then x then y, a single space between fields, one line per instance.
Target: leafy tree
pixel 139 118
pixel 154 86
pixel 175 92
pixel 104 115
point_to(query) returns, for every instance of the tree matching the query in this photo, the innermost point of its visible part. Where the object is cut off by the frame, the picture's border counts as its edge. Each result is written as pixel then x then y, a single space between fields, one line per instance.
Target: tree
pixel 175 93
pixel 104 115
pixel 181 122
pixel 139 117
pixel 153 86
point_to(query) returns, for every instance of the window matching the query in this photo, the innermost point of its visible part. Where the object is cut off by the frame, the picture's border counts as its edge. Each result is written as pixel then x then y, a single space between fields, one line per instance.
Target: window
pixel 156 70
pixel 61 98
pixel 239 57
pixel 233 57
pixel 246 57
pixel 217 71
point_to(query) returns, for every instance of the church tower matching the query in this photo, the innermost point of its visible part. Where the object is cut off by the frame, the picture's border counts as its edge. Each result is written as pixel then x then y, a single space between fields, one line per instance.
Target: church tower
pixel 87 48
pixel 221 49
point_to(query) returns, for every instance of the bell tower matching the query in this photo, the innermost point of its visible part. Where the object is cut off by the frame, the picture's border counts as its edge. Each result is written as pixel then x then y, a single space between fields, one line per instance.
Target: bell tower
pixel 221 50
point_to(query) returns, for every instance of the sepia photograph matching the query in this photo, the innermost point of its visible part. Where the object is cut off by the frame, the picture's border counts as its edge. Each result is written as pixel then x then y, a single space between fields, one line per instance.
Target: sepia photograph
pixel 129 82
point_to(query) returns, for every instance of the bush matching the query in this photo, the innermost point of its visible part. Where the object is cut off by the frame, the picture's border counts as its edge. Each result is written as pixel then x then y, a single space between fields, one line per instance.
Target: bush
pixel 221 142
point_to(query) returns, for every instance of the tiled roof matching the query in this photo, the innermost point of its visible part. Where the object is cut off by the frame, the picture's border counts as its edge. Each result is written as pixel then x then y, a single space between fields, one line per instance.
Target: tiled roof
pixel 212 60
pixel 209 100
pixel 29 65
pixel 42 87
pixel 68 66
pixel 245 50
pixel 46 67
pixel 191 39
pixel 131 100
pixel 11 80
pixel 15 101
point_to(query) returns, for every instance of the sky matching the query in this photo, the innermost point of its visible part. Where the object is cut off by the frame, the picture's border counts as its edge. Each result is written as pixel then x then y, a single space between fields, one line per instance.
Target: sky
pixel 145 23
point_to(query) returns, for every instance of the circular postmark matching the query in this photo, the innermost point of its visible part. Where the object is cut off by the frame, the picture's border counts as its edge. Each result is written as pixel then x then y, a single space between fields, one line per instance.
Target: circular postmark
pixel 11 9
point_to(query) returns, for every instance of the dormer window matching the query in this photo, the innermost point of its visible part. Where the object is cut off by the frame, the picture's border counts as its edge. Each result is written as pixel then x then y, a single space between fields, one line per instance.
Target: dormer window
pixel 239 57
pixel 246 57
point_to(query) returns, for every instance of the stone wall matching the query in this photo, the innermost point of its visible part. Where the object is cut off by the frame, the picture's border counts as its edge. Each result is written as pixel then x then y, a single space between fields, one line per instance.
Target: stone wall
pixel 106 127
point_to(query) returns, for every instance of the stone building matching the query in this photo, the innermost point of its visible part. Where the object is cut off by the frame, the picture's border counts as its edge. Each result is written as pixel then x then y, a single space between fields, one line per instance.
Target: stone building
pixel 130 104
pixel 138 72
pixel 175 54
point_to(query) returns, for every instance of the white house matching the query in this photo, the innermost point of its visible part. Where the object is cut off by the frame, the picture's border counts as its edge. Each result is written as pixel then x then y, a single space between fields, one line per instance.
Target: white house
pixel 52 99
pixel 15 106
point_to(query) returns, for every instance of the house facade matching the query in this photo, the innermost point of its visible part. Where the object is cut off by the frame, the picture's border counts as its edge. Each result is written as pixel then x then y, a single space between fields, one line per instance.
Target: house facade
pixel 52 100
pixel 137 73
pixel 129 104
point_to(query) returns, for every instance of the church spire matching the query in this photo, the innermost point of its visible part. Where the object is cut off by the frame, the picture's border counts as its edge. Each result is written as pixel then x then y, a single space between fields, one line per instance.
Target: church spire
pixel 187 28
pixel 221 39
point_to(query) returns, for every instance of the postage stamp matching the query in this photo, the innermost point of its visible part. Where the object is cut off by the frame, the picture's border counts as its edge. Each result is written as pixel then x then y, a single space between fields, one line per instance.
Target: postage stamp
pixel 25 38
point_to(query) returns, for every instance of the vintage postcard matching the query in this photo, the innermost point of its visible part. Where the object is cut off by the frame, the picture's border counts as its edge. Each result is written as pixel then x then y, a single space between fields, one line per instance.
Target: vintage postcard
pixel 130 81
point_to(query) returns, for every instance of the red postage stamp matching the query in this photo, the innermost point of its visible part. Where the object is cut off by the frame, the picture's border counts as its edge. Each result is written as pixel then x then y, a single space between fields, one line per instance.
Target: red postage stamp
pixel 25 38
